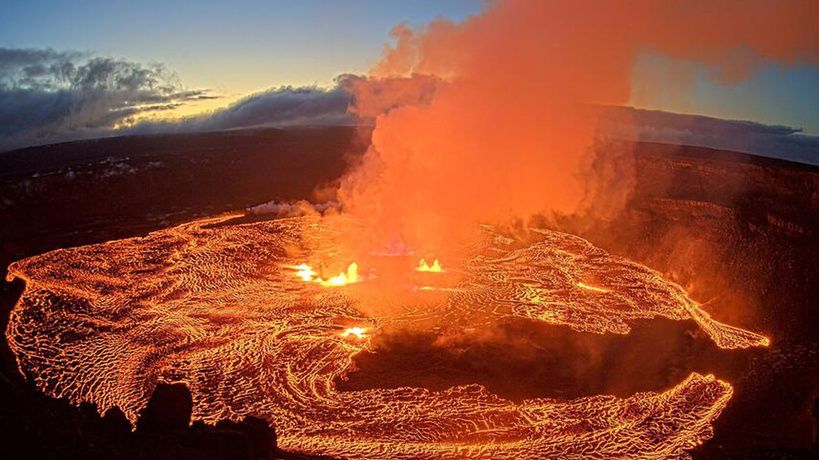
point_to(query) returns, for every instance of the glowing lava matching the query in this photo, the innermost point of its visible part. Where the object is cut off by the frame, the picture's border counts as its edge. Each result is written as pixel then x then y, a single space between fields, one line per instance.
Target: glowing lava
pixel 424 267
pixel 306 273
pixel 218 308
pixel 359 333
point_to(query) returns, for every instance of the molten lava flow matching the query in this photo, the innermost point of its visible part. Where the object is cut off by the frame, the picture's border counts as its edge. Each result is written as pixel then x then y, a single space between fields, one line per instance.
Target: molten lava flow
pixel 305 272
pixel 424 267
pixel 589 287
pixel 218 307
pixel 357 332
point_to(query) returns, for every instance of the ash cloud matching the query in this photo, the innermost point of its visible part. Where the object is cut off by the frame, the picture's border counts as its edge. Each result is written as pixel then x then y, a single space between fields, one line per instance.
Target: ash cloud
pixel 358 100
pixel 50 96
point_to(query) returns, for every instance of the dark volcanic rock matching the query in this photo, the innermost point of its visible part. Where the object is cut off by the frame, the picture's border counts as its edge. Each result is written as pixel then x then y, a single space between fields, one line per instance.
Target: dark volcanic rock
pixel 262 438
pixel 115 421
pixel 163 431
pixel 33 426
pixel 92 189
pixel 168 411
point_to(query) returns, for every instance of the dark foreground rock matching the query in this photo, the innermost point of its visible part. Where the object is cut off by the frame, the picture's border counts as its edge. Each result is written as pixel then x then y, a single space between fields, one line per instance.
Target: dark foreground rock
pixel 164 431
pixel 168 411
pixel 59 430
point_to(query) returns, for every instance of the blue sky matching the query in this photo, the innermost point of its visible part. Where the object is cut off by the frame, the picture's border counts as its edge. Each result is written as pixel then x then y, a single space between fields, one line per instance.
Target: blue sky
pixel 237 48
pixel 772 94
pixel 232 46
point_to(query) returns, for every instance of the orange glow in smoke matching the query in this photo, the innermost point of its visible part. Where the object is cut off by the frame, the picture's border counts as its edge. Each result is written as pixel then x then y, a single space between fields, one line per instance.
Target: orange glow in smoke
pixel 503 107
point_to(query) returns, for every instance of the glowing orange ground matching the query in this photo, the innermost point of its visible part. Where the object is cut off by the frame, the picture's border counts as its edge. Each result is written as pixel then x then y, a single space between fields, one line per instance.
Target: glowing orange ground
pixel 222 309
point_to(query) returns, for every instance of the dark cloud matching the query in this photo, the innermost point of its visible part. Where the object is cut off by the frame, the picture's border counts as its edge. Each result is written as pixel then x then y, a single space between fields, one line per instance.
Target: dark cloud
pixel 284 106
pixel 49 96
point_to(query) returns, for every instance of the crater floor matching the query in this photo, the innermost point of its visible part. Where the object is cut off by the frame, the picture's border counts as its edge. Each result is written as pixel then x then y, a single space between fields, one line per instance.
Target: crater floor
pixel 219 306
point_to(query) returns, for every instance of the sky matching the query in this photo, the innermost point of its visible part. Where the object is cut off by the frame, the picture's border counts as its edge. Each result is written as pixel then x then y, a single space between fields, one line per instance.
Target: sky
pixel 235 49
pixel 772 94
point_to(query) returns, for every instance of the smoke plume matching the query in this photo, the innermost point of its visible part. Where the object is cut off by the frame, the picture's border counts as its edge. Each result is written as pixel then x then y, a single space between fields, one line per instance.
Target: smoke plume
pixel 508 129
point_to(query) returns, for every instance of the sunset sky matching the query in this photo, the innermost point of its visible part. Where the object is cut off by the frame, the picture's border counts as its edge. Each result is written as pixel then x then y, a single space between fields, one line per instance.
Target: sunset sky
pixel 234 49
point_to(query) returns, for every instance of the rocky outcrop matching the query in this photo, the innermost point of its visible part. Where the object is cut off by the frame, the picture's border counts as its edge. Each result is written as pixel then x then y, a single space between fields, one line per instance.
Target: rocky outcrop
pixel 41 428
pixel 168 411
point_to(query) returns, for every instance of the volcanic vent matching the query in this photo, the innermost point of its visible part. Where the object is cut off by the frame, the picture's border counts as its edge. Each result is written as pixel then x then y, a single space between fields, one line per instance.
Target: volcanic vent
pixel 226 309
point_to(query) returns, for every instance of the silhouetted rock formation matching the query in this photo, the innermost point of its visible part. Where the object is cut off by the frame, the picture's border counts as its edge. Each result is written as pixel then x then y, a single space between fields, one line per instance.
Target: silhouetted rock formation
pixel 816 424
pixel 168 411
pixel 164 431
pixel 53 428
pixel 116 422
pixel 262 438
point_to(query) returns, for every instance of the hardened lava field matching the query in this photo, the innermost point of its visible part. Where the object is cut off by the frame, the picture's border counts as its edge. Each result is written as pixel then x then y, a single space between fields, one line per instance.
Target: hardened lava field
pixel 226 309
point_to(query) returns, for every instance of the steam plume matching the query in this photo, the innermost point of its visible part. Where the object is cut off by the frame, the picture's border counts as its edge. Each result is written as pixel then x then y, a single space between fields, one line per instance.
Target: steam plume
pixel 507 131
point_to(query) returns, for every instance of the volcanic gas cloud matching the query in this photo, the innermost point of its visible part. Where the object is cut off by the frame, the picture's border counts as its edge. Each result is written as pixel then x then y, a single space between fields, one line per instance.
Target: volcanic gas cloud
pixel 477 123
pixel 506 130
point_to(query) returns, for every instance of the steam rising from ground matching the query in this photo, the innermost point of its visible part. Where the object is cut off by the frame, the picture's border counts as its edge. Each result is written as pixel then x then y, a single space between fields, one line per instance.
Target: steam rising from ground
pixel 508 128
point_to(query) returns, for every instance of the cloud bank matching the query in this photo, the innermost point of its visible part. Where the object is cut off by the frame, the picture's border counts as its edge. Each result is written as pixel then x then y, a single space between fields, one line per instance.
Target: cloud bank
pixel 283 106
pixel 339 105
pixel 49 96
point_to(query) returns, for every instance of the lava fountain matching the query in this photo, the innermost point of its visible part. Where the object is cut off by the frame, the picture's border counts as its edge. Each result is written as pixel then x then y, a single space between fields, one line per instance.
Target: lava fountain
pixel 306 273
